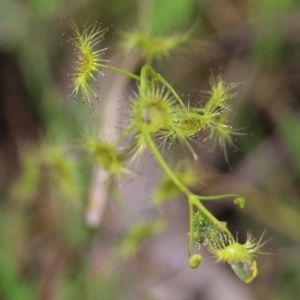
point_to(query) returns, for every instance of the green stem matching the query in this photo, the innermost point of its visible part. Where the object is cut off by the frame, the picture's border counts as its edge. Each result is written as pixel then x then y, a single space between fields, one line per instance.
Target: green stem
pixel 161 161
pixel 192 199
pixel 129 74
pixel 208 198
pixel 191 213
pixel 143 81
pixel 148 69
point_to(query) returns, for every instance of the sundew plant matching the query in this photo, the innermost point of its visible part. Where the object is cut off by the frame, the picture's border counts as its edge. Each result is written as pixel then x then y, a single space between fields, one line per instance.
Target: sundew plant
pixel 158 119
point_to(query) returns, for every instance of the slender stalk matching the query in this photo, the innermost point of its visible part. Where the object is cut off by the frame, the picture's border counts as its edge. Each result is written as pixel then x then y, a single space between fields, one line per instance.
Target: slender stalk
pixel 121 71
pixel 209 198
pixel 143 80
pixel 191 212
pixel 160 160
pixel 191 198
pixel 148 69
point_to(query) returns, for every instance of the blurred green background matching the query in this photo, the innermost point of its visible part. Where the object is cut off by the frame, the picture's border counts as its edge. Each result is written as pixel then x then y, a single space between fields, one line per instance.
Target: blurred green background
pixel 48 248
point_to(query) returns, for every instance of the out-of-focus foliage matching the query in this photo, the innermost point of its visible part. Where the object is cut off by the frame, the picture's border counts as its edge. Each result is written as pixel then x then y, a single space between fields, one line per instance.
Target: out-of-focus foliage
pixel 137 235
pixel 47 251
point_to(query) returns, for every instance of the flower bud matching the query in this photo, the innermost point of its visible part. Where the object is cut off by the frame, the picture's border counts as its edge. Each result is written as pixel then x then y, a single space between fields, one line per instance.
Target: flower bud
pixel 194 261
pixel 240 201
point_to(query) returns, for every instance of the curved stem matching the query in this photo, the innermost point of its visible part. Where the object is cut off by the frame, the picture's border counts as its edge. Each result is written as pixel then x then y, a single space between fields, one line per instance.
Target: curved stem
pixel 143 81
pixel 211 198
pixel 148 69
pixel 191 213
pixel 160 160
pixel 121 71
pixel 192 199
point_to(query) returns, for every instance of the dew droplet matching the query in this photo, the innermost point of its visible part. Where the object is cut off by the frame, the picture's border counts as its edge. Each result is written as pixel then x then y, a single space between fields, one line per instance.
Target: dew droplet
pixel 245 270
